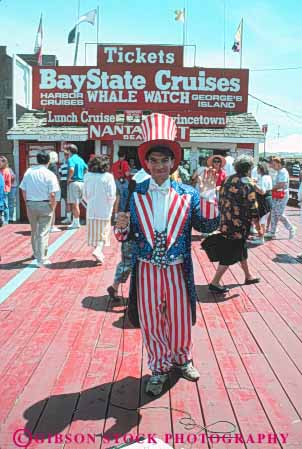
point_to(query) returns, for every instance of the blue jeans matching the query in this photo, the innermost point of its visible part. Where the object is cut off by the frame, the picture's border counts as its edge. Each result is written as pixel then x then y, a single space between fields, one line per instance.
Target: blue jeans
pixel 12 202
pixel 122 190
pixel 5 210
pixel 124 267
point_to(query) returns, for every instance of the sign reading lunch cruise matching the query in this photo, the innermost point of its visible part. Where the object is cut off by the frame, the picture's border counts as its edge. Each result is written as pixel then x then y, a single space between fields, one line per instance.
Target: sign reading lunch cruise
pixel 140 77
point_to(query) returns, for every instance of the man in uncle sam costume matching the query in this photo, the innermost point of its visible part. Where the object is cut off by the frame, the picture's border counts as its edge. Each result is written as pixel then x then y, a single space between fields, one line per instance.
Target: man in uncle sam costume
pixel 162 299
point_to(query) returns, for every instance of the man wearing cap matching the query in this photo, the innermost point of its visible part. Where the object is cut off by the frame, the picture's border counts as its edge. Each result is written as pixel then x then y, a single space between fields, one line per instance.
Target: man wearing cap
pixel 162 297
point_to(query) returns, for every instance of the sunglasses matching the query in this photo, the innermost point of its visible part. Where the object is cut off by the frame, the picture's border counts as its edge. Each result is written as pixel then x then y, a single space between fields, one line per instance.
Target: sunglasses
pixel 216 161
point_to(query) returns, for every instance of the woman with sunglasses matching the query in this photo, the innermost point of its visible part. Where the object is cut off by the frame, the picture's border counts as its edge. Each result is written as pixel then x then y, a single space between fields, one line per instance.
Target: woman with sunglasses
pixel 217 163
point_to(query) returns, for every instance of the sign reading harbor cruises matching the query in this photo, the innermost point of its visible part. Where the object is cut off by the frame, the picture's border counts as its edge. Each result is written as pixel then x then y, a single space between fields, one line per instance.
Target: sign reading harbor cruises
pixel 153 83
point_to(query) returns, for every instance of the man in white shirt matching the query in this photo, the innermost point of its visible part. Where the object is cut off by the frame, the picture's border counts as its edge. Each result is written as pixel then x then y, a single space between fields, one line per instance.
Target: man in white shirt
pixel 162 298
pixel 39 188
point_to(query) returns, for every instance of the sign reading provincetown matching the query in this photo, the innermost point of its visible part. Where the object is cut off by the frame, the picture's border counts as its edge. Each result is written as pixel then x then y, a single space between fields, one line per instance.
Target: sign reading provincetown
pixel 148 87
pixel 112 55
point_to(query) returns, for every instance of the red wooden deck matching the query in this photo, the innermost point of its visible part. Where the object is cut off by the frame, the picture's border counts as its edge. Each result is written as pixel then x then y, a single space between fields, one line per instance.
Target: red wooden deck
pixel 70 364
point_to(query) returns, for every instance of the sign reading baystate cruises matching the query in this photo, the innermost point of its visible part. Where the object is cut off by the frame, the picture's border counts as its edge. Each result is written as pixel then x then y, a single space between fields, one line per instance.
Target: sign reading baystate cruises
pixel 139 77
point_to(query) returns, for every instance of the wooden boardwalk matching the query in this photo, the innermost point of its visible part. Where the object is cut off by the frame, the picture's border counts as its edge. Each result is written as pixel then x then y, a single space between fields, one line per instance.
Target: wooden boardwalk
pixel 72 369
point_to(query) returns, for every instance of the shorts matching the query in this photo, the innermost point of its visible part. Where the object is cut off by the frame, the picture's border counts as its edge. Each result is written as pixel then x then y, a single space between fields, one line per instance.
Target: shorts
pixel 75 192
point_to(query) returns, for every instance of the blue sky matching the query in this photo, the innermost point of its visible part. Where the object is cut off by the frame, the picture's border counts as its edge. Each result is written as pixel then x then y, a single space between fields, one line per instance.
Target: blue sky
pixel 272 39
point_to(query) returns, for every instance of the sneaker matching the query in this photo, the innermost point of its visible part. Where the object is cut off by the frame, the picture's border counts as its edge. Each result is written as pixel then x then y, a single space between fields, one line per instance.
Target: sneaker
pixel 98 255
pixel 74 226
pixel 259 241
pixel 270 235
pixel 55 229
pixel 292 233
pixel 156 383
pixel 188 371
pixel 66 221
pixel 43 263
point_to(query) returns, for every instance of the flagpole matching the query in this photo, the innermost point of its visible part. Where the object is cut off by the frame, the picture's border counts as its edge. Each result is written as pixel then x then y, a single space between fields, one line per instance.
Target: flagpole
pixel 224 31
pixel 76 49
pixel 97 24
pixel 78 37
pixel 40 51
pixel 186 20
pixel 184 30
pixel 241 40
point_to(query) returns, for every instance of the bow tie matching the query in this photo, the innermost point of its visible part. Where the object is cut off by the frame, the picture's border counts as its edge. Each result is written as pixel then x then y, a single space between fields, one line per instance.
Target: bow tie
pixel 160 189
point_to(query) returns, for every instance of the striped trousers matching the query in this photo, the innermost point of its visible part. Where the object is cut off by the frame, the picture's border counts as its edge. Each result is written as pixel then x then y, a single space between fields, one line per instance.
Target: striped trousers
pixel 165 315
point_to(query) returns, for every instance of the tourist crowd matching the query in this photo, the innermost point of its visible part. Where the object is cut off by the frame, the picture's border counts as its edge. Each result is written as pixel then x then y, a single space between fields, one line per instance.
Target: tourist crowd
pixel 232 203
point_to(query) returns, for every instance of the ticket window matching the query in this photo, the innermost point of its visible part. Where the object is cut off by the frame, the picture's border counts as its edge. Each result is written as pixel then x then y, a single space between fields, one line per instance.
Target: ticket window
pixel 85 149
pixel 33 150
pixel 131 156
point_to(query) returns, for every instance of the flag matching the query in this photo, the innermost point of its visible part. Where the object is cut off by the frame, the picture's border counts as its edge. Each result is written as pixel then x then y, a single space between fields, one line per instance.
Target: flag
pixel 179 15
pixel 71 35
pixel 88 17
pixel 38 42
pixel 237 39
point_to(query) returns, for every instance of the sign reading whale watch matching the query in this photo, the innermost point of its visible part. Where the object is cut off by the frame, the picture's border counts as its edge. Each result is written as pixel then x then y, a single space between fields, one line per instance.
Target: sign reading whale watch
pixel 145 85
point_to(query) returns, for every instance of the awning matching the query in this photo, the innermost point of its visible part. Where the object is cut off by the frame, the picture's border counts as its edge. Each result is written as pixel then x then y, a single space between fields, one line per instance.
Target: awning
pixel 32 125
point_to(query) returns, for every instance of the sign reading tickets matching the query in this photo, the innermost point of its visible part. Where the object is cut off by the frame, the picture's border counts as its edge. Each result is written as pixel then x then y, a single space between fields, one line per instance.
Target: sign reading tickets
pixel 110 56
pixel 147 87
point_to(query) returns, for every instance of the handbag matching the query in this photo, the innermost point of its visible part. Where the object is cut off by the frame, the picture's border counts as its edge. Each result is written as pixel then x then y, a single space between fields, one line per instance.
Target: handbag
pixel 278 194
pixel 264 203
pixel 211 245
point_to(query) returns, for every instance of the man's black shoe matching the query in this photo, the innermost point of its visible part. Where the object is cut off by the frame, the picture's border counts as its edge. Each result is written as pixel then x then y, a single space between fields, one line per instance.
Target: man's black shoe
pixel 218 289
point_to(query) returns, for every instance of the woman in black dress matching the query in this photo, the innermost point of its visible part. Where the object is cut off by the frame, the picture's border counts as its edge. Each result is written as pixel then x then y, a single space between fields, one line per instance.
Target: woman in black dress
pixel 238 209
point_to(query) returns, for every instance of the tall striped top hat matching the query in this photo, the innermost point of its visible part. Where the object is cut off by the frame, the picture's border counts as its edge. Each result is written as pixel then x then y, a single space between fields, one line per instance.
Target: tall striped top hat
pixel 159 129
